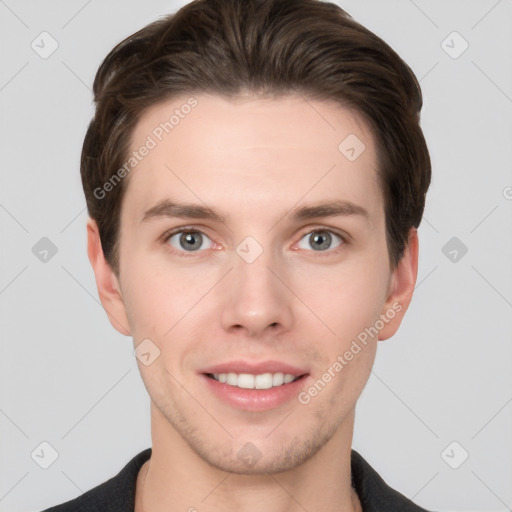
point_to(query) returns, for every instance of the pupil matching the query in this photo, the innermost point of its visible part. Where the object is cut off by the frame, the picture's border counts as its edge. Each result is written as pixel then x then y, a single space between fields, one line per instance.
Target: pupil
pixel 191 240
pixel 324 240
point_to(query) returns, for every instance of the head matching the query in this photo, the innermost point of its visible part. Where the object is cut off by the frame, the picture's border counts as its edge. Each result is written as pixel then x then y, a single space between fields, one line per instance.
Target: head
pixel 256 111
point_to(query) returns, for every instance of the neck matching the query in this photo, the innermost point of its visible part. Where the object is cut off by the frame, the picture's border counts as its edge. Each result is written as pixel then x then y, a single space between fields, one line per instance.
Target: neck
pixel 322 482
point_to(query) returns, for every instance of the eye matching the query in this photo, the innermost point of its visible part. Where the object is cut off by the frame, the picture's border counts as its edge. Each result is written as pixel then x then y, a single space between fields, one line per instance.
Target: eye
pixel 321 240
pixel 189 241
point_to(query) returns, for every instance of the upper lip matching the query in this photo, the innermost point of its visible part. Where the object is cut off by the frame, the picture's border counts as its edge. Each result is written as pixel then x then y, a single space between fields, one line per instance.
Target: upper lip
pixel 254 368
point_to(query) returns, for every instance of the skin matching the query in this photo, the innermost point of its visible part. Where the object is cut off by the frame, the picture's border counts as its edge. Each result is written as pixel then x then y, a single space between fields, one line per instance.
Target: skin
pixel 254 160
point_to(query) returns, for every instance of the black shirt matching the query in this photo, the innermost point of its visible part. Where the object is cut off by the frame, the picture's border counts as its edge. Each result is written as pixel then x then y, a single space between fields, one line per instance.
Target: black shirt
pixel 118 493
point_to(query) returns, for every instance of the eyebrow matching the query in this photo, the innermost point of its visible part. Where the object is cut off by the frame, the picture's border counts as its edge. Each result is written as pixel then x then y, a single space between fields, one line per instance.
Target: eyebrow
pixel 170 209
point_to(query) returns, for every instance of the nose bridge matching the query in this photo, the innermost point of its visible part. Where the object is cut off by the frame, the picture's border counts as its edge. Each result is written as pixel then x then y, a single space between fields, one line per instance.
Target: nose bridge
pixel 254 276
pixel 256 299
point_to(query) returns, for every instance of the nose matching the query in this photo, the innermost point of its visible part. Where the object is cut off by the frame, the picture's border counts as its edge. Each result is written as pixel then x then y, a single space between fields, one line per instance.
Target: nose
pixel 257 302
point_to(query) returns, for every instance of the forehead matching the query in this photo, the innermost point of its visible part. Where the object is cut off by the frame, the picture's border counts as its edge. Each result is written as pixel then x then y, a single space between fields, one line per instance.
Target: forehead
pixel 273 150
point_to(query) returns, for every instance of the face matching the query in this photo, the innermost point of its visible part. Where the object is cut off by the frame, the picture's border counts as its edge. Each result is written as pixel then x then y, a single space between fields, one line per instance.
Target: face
pixel 252 247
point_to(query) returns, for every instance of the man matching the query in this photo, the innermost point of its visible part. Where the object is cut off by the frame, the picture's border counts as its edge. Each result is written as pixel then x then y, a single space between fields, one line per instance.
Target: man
pixel 255 173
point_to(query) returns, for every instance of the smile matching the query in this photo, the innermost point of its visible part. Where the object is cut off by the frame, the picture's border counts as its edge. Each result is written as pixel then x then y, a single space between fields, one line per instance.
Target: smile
pixel 250 381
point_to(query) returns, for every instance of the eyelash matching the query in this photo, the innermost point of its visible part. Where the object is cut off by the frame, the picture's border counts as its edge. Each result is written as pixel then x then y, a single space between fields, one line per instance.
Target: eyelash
pixel 187 254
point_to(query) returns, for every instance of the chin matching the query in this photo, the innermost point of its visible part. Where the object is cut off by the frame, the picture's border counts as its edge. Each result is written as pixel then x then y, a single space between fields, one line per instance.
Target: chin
pixel 263 456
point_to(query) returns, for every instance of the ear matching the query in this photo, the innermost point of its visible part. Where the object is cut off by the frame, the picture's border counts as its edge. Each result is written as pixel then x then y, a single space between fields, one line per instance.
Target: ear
pixel 107 283
pixel 401 288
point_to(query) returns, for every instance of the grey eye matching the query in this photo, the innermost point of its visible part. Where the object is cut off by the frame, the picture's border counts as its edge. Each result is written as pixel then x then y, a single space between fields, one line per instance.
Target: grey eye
pixel 320 240
pixel 189 241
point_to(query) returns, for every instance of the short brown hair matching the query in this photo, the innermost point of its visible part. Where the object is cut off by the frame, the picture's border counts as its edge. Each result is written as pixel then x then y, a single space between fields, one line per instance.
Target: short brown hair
pixel 270 47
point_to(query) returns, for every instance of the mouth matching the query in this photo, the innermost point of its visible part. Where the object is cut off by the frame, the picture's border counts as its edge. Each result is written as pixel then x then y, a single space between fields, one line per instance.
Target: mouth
pixel 250 386
pixel 251 381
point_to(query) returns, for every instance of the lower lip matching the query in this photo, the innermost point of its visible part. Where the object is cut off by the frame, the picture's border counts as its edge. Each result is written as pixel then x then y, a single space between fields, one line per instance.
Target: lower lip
pixel 255 399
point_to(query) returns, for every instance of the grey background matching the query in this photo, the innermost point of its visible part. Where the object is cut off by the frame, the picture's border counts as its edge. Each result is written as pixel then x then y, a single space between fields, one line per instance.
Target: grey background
pixel 68 378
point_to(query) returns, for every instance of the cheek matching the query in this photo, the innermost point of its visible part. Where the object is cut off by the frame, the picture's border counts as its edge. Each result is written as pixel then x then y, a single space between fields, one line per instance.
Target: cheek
pixel 346 298
pixel 146 299
pixel 160 299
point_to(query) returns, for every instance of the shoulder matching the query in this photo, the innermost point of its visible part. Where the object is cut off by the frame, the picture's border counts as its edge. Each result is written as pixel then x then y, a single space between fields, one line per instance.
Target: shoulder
pixel 374 494
pixel 115 495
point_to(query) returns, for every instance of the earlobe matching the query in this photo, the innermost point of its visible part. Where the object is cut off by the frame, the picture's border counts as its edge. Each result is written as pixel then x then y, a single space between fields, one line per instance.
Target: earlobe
pixel 402 287
pixel 107 283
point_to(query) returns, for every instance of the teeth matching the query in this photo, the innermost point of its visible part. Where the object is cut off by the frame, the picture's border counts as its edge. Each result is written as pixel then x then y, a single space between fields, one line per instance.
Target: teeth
pixel 278 379
pixel 249 381
pixel 288 378
pixel 246 380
